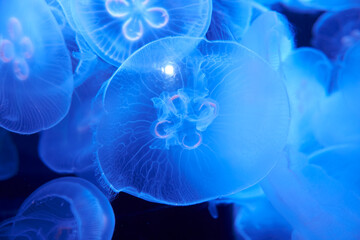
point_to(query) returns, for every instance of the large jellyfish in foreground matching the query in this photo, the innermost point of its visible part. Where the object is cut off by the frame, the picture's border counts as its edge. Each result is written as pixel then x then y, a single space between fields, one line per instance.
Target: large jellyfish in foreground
pixel 65 208
pixel 187 120
pixel 35 68
pixel 9 160
pixel 270 36
pixel 114 29
pixel 335 32
pixel 318 195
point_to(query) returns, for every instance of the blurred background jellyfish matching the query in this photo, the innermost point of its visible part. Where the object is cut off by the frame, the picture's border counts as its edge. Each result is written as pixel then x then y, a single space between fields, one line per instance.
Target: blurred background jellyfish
pixel 337 121
pixel 68 147
pixel 270 36
pixel 65 208
pixel 114 29
pixel 184 125
pixel 335 32
pixel 35 68
pixel 318 194
pixel 307 78
pixel 9 160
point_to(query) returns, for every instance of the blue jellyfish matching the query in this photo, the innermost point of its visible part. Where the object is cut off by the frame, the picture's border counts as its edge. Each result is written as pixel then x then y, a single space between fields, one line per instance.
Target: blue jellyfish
pixel 65 208
pixel 337 121
pixel 335 32
pixel 230 19
pixel 307 77
pixel 187 120
pixel 254 216
pixel 68 147
pixel 114 29
pixel 270 36
pixel 35 68
pixel 9 160
pixel 322 4
pixel 318 194
pixel 257 219
pixel 348 78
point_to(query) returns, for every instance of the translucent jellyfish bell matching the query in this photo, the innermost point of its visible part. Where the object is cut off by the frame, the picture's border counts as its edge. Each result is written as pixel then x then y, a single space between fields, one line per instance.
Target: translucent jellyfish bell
pixel 335 32
pixel 9 160
pixel 65 208
pixel 270 36
pixel 114 29
pixel 35 68
pixel 68 147
pixel 307 77
pixel 320 196
pixel 187 120
pixel 337 121
pixel 230 19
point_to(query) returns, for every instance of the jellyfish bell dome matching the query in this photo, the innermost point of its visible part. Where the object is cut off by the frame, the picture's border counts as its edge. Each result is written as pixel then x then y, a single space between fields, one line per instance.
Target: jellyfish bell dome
pixel 186 125
pixel 65 208
pixel 35 68
pixel 114 29
pixel 9 159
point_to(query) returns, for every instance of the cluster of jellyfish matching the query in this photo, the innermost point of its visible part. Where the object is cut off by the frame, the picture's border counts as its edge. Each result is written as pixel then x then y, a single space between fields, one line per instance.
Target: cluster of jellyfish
pixel 182 102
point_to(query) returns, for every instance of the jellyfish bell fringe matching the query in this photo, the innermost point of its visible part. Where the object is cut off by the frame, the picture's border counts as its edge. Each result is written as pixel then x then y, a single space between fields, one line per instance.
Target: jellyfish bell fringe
pixel 183 114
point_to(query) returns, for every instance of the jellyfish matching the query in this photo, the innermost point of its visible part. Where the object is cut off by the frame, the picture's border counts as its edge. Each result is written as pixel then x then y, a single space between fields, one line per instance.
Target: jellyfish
pixel 335 32
pixel 65 208
pixel 230 20
pixel 318 194
pixel 68 147
pixel 35 68
pixel 270 36
pixel 337 121
pixel 184 125
pixel 324 5
pixel 258 219
pixel 114 29
pixel 307 78
pixel 348 77
pixel 9 160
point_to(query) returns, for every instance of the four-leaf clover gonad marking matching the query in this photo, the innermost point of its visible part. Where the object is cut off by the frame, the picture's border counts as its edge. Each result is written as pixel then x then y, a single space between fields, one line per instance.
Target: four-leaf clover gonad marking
pixel 16 50
pixel 137 13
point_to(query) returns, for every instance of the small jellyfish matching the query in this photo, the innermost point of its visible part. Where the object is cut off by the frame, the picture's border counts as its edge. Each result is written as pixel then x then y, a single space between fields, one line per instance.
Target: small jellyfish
pixel 187 120
pixel 114 29
pixel 35 68
pixel 65 208
pixel 307 77
pixel 9 160
pixel 270 36
pixel 335 32
pixel 68 147
pixel 230 19
pixel 318 194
